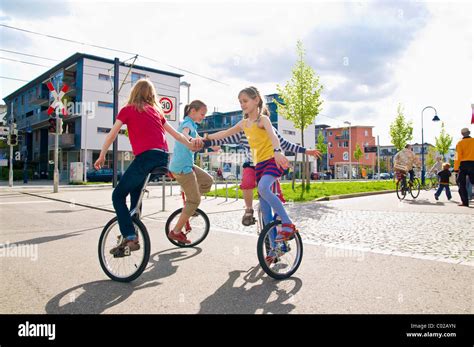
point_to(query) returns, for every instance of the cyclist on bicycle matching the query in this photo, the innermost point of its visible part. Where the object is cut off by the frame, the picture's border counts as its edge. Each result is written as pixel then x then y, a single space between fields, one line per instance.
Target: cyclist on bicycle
pixel 405 160
pixel 146 126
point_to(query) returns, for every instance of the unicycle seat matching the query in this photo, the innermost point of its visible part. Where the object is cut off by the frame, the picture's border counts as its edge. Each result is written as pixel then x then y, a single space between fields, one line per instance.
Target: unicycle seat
pixel 160 171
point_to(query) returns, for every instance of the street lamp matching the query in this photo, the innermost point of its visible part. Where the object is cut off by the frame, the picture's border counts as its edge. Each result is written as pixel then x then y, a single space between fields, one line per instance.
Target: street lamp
pixel 350 149
pixel 435 119
pixel 187 85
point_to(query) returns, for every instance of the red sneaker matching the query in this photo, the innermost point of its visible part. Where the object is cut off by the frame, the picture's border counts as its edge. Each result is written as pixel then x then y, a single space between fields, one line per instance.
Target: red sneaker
pixel 180 237
pixel 286 235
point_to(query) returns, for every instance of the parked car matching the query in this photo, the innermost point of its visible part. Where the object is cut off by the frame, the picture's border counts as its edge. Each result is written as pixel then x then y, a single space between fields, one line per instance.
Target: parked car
pixel 384 176
pixel 102 175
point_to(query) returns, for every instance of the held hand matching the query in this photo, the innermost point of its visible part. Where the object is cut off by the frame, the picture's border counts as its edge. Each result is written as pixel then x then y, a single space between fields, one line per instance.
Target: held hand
pixel 281 161
pixel 196 144
pixel 99 163
pixel 216 148
pixel 313 153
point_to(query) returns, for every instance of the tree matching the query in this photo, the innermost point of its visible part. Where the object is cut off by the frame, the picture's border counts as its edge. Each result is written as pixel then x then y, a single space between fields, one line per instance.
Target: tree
pixel 443 142
pixel 431 157
pixel 301 101
pixel 321 146
pixel 357 155
pixel 401 131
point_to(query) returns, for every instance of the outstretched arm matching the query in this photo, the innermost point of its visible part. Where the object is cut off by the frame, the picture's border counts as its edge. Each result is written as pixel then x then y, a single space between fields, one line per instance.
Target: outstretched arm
pixel 234 139
pixel 293 147
pixel 111 136
pixel 226 133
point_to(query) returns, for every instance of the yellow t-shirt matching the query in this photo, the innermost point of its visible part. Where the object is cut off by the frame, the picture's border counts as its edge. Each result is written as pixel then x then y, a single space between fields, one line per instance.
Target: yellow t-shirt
pixel 260 143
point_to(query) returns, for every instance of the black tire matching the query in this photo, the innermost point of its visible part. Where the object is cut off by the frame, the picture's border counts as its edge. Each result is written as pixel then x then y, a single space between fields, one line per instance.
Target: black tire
pixel 401 190
pixel 140 266
pixel 264 244
pixel 203 221
pixel 415 188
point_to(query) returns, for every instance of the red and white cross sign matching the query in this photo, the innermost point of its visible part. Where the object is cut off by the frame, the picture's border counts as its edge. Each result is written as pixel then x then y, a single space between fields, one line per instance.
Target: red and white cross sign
pixel 57 102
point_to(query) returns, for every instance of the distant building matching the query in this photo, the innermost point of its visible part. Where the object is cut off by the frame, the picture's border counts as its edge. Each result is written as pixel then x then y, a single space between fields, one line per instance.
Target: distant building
pixel 341 157
pixel 90 82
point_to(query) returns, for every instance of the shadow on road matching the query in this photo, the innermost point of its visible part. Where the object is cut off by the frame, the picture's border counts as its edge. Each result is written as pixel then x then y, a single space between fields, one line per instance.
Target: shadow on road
pixel 257 294
pixel 98 296
pixel 425 202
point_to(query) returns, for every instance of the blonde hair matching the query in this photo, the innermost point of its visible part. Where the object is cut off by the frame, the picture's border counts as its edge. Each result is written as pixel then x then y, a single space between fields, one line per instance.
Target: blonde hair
pixel 142 94
pixel 446 166
pixel 253 93
pixel 194 105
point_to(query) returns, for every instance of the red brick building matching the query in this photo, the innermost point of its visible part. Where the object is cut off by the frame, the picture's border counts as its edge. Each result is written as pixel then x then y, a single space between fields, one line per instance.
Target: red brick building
pixel 338 149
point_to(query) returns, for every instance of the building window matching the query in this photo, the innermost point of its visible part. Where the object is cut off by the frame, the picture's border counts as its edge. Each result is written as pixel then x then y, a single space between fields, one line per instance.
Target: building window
pixel 345 156
pixel 366 133
pixel 330 144
pixel 366 155
pixel 331 156
pixel 330 133
pixel 289 132
pixel 136 76
pixel 104 77
pixel 105 104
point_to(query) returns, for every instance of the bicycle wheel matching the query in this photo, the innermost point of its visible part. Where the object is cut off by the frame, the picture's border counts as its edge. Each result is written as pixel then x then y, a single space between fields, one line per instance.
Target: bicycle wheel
pixel 415 188
pixel 401 190
pixel 123 268
pixel 288 254
pixel 196 228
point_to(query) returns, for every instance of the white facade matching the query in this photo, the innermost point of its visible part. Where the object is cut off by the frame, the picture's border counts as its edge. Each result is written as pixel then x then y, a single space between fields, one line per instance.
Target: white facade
pixel 98 92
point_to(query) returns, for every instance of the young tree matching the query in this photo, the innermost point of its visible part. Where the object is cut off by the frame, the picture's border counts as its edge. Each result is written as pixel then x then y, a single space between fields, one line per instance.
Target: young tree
pixel 321 146
pixel 301 101
pixel 401 131
pixel 357 155
pixel 443 142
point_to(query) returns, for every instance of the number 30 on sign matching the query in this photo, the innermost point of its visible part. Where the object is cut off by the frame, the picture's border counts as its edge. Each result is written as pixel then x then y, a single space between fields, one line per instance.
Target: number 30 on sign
pixel 168 104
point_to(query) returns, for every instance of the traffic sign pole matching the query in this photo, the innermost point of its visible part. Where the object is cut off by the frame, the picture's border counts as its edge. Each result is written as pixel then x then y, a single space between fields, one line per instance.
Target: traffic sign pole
pixel 10 172
pixel 56 151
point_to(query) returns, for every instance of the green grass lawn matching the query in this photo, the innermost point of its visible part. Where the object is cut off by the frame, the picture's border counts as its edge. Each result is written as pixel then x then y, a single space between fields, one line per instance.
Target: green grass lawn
pixel 318 190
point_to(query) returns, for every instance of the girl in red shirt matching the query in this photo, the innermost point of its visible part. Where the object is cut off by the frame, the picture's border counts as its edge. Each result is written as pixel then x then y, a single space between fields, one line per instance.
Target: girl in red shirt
pixel 146 126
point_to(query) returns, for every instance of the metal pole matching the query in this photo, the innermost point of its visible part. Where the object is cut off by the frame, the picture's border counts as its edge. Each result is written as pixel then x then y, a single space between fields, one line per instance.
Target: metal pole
pixel 163 193
pixel 116 100
pixel 422 152
pixel 215 188
pixel 56 154
pixel 171 187
pixel 85 149
pixel 350 153
pixel 226 191
pixel 378 157
pixel 10 172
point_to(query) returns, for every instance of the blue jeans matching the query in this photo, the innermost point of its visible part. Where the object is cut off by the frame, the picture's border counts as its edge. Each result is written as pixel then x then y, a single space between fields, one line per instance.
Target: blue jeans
pixel 269 201
pixel 131 183
pixel 440 190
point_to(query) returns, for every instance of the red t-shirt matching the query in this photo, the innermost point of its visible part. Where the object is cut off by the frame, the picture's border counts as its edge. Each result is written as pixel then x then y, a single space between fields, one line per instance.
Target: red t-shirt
pixel 145 129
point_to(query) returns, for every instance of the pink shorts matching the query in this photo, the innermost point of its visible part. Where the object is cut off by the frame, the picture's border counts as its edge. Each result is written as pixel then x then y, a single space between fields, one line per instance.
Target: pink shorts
pixel 249 180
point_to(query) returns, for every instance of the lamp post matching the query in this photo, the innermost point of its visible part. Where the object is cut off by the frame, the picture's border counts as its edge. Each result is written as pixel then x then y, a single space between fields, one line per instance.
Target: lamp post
pixel 350 149
pixel 435 119
pixel 187 85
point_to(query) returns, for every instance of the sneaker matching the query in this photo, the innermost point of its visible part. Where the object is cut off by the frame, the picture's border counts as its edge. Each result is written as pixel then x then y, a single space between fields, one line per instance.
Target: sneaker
pixel 180 237
pixel 436 198
pixel 132 246
pixel 283 235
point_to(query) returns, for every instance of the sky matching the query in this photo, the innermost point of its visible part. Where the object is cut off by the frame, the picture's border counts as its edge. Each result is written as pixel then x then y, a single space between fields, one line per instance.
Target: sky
pixel 369 55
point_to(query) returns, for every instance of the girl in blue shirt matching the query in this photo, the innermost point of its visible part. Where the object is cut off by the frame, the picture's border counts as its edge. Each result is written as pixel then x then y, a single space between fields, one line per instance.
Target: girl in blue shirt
pixel 193 180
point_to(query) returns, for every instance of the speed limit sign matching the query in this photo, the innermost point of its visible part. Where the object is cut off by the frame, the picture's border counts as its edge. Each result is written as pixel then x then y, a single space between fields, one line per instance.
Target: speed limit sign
pixel 168 103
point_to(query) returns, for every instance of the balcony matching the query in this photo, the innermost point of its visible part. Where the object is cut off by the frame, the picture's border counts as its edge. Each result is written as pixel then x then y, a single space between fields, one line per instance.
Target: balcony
pixel 342 137
pixel 65 141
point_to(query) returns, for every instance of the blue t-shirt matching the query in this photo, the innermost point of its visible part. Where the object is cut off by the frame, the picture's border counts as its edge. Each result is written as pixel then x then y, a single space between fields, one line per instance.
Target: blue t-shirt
pixel 182 161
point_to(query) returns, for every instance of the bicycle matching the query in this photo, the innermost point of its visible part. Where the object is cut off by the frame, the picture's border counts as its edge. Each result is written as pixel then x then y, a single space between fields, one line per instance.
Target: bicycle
pixel 403 187
pixel 288 254
pixel 126 266
pixel 431 182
